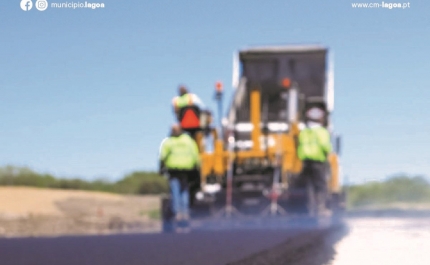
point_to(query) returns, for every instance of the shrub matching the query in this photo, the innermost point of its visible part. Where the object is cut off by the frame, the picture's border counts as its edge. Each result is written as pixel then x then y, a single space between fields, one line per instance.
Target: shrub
pixel 135 183
pixel 395 189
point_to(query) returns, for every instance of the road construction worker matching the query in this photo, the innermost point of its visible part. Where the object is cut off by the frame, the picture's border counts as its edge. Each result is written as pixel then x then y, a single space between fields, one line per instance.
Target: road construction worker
pixel 189 118
pixel 179 156
pixel 313 149
pixel 186 98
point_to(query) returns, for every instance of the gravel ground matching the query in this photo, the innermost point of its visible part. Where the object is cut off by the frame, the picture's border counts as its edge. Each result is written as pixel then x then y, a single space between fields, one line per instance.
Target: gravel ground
pixel 28 212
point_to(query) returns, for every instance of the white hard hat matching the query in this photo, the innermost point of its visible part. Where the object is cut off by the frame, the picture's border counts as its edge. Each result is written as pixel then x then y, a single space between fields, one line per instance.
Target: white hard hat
pixel 315 113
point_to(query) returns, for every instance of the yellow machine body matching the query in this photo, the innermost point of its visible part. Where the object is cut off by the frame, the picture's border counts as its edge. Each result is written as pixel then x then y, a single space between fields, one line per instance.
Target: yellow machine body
pixel 284 146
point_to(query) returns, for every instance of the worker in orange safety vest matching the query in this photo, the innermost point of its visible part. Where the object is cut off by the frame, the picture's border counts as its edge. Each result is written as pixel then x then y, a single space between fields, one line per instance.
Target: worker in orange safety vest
pixel 189 118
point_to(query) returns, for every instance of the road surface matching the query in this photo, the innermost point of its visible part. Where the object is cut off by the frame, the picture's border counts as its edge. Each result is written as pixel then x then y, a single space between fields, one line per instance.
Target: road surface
pixel 201 246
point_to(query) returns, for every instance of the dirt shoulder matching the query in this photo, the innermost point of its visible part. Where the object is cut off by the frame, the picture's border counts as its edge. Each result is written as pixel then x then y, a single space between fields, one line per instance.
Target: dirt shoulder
pixel 26 211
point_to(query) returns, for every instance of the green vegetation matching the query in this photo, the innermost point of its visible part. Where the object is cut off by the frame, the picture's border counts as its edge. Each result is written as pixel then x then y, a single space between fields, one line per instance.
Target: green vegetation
pixel 155 214
pixel 397 189
pixel 134 183
pixel 141 183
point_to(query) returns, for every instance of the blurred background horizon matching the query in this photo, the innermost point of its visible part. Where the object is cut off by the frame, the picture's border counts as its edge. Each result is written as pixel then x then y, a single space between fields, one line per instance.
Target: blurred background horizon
pixel 86 93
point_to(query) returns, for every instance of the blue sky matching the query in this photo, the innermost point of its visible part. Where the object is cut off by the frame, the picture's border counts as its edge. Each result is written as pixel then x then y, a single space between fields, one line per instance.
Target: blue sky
pixel 86 93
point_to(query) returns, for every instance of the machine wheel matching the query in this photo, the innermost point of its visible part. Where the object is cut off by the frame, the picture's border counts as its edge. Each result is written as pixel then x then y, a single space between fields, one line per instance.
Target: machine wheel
pixel 167 215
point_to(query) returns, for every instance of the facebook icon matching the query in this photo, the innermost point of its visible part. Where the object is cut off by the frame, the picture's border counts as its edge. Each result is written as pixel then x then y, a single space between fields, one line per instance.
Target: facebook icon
pixel 26 5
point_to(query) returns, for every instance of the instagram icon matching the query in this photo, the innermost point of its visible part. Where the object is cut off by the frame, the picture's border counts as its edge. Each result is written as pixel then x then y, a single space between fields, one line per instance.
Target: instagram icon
pixel 41 5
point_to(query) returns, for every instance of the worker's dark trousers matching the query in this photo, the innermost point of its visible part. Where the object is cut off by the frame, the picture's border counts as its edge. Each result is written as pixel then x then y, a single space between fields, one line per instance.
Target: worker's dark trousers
pixel 179 191
pixel 314 173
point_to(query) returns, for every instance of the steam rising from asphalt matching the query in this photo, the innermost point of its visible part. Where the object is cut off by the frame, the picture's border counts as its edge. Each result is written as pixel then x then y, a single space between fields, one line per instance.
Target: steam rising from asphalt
pixel 267 223
pixel 385 240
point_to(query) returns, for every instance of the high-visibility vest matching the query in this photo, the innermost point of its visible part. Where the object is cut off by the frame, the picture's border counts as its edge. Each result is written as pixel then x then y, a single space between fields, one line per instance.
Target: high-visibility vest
pixel 182 101
pixel 189 119
pixel 180 152
pixel 314 144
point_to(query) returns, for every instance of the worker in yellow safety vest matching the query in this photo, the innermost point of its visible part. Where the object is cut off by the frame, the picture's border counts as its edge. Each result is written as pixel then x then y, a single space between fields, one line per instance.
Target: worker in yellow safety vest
pixel 179 156
pixel 313 149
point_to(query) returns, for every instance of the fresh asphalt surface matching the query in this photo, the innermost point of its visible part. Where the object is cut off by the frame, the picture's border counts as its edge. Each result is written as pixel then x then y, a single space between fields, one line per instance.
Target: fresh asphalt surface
pixel 217 245
pixel 203 247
